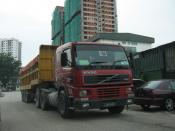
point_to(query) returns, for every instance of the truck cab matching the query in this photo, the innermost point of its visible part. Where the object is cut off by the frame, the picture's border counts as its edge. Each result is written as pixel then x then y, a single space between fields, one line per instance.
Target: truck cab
pixel 92 76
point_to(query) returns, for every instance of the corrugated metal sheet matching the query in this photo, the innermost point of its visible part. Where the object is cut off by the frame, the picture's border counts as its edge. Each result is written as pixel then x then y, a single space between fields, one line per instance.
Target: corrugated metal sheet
pixel 148 61
pixel 153 75
pixel 152 60
pixel 169 75
pixel 170 59
pixel 157 63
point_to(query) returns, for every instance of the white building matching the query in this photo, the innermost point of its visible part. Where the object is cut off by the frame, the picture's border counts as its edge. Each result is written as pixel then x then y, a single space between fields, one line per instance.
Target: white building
pixel 11 46
pixel 132 42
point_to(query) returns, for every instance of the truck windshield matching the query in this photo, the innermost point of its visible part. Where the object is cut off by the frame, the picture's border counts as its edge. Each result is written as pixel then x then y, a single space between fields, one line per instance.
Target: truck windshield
pixel 101 56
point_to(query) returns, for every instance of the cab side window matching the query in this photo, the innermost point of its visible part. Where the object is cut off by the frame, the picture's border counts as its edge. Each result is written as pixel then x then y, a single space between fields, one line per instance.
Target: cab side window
pixel 69 57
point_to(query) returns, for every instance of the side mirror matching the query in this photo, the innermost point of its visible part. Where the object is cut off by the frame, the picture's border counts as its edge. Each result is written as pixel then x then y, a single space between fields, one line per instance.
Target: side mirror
pixel 131 60
pixel 63 59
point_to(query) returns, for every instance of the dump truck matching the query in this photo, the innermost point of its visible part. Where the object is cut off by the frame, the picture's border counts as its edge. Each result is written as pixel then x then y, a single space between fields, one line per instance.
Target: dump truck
pixel 77 76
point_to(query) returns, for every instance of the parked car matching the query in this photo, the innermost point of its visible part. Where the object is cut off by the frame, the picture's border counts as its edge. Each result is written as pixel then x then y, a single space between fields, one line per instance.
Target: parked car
pixel 159 93
pixel 137 83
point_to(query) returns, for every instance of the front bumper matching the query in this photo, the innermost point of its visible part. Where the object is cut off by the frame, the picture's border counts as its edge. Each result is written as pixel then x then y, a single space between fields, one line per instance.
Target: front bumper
pixel 148 101
pixel 103 104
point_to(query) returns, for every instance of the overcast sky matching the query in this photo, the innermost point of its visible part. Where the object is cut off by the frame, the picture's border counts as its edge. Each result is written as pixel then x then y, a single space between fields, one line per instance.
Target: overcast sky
pixel 30 21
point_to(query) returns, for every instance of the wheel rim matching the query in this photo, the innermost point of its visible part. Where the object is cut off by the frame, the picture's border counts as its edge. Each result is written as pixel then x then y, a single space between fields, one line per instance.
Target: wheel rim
pixel 62 102
pixel 169 104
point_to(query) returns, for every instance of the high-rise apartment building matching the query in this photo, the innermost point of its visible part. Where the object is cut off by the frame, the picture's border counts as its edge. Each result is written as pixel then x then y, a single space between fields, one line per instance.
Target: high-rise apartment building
pixel 58 25
pixel 11 46
pixel 83 19
pixel 98 16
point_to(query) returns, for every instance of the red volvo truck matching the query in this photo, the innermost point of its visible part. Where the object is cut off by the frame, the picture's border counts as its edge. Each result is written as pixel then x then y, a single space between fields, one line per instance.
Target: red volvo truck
pixel 78 76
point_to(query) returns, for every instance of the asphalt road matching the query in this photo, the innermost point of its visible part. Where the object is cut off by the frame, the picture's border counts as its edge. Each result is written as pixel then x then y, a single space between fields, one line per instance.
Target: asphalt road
pixel 18 116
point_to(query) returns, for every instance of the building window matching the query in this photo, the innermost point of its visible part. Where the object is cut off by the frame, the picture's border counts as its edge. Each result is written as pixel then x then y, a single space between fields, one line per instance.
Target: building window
pixel 124 42
pixel 134 43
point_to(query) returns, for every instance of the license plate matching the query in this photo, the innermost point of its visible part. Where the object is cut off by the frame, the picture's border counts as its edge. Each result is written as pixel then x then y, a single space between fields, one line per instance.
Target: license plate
pixel 110 104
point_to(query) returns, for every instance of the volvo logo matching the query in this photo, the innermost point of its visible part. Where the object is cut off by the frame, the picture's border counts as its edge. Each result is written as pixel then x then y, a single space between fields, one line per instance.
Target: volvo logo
pixel 89 72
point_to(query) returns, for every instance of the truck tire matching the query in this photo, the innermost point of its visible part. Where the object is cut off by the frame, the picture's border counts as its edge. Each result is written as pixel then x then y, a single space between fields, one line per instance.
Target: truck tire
pixel 44 103
pixel 37 98
pixel 63 105
pixel 116 109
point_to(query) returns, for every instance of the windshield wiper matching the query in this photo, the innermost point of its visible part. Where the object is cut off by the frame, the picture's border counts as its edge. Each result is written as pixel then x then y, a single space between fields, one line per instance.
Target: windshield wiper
pixel 97 62
pixel 108 79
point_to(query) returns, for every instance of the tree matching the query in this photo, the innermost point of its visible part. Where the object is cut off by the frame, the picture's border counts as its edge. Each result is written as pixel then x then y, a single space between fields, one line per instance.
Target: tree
pixel 9 70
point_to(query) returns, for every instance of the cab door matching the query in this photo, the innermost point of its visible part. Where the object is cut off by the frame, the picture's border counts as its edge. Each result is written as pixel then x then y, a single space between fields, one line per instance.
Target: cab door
pixel 67 70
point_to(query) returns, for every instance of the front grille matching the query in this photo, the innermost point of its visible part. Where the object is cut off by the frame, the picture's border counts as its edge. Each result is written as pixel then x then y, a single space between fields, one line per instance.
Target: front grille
pixel 106 93
pixel 105 79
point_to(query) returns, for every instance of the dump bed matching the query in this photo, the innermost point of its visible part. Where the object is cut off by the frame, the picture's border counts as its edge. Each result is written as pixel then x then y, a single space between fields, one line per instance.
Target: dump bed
pixel 40 69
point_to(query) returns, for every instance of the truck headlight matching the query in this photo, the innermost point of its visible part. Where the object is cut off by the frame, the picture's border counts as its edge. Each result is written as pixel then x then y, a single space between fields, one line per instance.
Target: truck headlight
pixel 83 93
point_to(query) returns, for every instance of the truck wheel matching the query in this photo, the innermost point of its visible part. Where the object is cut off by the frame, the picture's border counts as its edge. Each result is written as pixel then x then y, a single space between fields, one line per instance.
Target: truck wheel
pixel 44 104
pixel 37 97
pixel 116 109
pixel 169 104
pixel 63 105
